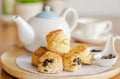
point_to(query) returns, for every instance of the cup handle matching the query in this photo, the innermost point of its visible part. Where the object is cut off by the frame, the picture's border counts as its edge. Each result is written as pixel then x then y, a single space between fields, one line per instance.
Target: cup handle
pixel 65 13
pixel 109 25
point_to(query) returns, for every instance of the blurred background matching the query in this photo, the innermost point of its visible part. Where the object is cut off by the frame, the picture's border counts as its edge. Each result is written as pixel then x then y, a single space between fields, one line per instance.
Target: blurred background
pixel 29 8
pixel 83 7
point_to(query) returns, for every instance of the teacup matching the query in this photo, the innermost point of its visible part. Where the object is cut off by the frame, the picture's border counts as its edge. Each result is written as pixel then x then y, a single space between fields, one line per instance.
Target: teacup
pixel 93 28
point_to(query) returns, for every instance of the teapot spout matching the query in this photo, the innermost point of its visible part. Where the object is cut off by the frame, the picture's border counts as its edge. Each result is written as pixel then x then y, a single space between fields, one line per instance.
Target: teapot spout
pixel 25 31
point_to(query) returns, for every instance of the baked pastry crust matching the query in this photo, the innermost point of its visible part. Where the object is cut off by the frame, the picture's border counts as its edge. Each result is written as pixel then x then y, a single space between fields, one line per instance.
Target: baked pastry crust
pixel 84 53
pixel 38 53
pixel 58 42
pixel 86 57
pixel 50 62
pixel 71 62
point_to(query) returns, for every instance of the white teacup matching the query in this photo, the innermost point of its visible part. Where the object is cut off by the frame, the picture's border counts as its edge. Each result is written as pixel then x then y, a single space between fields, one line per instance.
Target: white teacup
pixel 93 28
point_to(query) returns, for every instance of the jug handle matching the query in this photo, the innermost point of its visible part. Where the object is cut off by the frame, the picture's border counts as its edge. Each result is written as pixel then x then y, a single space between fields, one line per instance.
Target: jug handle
pixel 75 20
pixel 114 39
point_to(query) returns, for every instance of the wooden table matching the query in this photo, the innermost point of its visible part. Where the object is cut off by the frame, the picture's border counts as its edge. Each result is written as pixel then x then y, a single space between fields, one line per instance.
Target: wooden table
pixel 115 30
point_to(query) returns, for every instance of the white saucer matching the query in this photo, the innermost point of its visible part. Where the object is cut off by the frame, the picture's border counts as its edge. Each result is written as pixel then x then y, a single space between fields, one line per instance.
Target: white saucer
pixel 77 35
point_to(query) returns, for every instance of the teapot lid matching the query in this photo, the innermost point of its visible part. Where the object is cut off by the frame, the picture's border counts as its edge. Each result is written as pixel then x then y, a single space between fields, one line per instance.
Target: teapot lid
pixel 47 14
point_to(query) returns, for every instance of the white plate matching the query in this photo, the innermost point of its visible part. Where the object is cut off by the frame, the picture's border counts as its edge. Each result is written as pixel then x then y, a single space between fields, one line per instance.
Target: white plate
pixel 77 35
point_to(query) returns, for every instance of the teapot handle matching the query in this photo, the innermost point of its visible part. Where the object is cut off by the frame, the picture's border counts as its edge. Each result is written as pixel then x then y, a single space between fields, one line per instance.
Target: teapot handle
pixel 75 20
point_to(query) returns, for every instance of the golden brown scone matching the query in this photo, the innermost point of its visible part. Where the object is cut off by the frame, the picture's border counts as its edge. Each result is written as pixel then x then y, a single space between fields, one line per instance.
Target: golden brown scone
pixel 50 62
pixel 84 53
pixel 58 42
pixel 71 62
pixel 87 59
pixel 37 54
pixel 79 49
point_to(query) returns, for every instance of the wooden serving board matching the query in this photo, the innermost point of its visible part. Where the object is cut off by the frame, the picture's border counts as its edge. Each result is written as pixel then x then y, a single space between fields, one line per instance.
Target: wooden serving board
pixel 8 60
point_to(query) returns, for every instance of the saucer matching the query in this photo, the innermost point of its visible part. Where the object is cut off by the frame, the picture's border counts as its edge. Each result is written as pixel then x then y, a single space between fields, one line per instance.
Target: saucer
pixel 78 36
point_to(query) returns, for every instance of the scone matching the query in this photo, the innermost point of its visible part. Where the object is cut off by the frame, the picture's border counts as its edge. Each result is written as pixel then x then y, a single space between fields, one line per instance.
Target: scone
pixel 50 62
pixel 71 62
pixel 36 55
pixel 84 53
pixel 86 57
pixel 58 42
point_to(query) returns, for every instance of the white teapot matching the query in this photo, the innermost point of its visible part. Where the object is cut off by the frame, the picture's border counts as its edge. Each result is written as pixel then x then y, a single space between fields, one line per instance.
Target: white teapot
pixel 33 34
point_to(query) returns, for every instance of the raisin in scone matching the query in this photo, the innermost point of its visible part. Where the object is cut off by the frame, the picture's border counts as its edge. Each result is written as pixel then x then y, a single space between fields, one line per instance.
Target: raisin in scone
pixel 50 62
pixel 71 62
pixel 58 42
pixel 84 53
pixel 38 53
